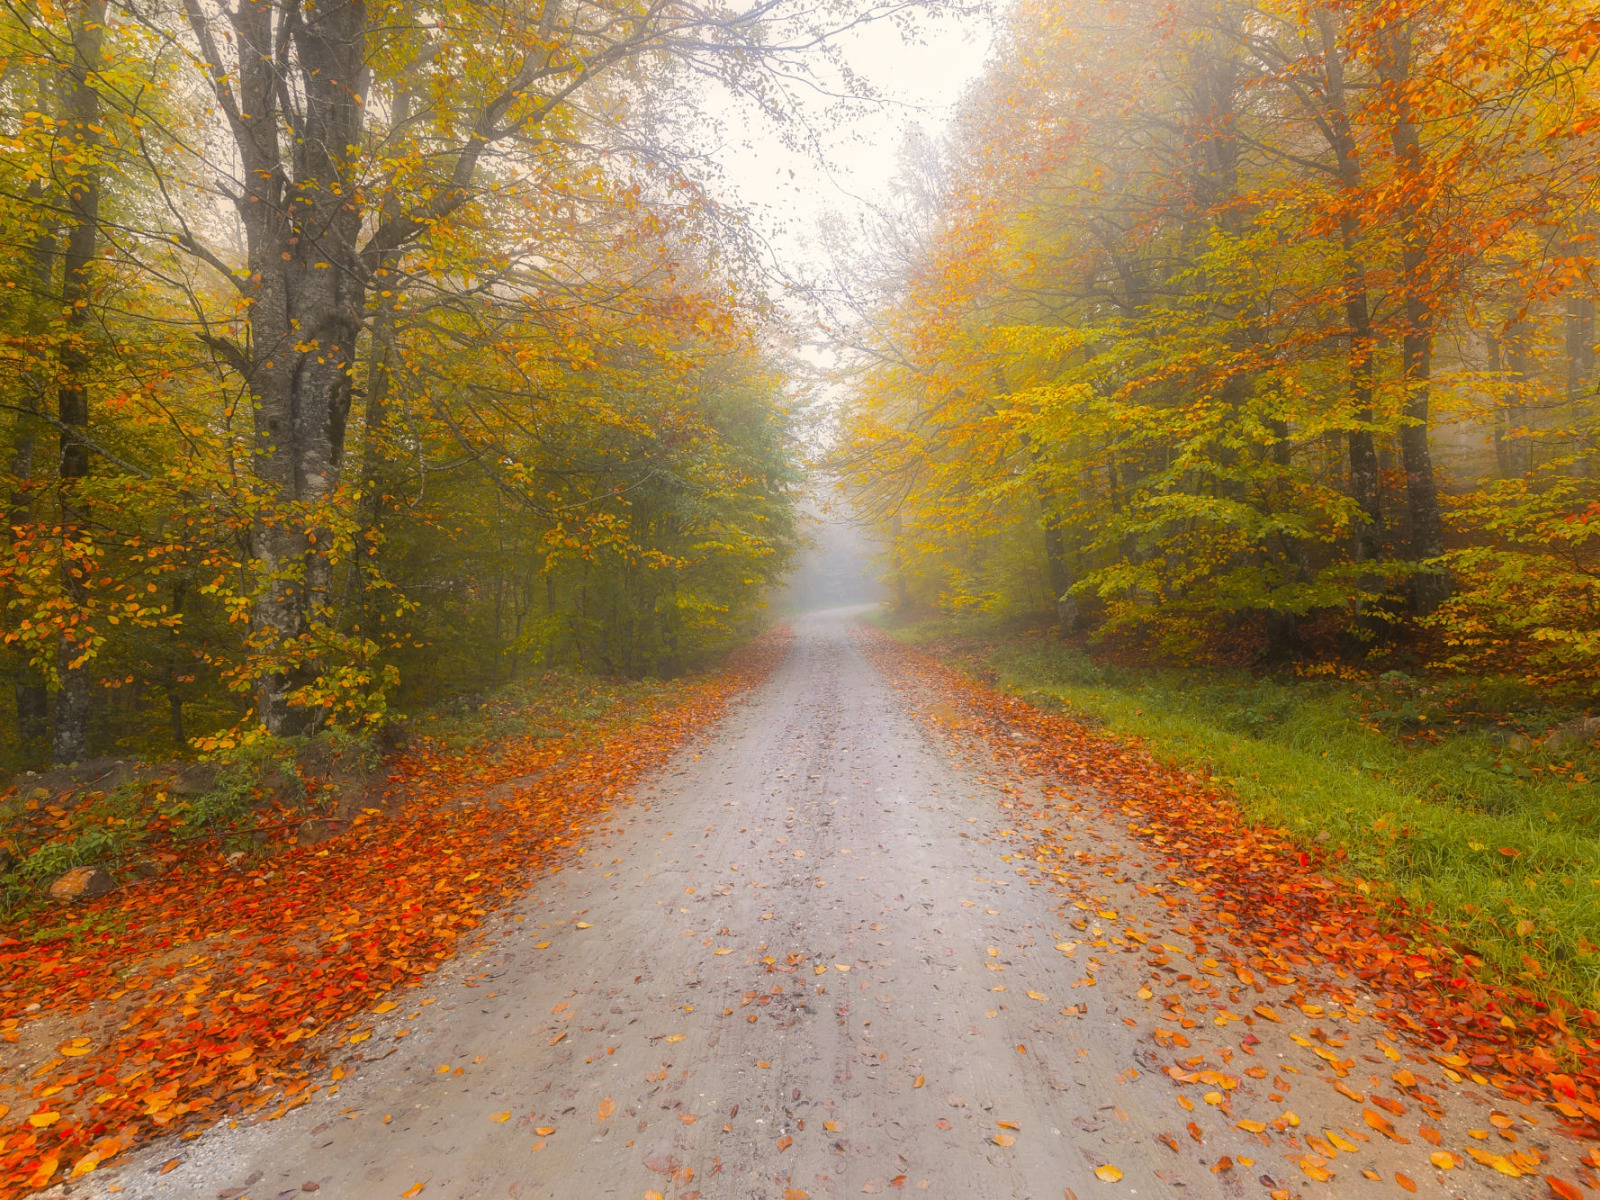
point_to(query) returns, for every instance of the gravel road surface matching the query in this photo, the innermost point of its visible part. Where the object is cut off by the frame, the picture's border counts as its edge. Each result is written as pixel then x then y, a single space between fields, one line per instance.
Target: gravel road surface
pixel 810 960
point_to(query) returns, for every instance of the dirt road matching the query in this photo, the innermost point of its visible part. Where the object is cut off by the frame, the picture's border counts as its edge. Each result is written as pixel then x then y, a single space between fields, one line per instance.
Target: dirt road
pixel 810 960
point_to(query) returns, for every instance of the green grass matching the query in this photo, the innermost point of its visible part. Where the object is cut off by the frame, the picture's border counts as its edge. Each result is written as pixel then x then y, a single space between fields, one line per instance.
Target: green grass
pixel 1413 779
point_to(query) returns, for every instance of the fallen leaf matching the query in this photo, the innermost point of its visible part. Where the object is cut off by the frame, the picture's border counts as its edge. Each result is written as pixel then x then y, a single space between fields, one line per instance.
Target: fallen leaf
pixel 44 1120
pixel 917 1082
pixel 607 1107
pixel 1383 1126
pixel 1004 1139
pixel 1252 1126
pixel 545 1130
pixel 1443 1159
pixel 1107 1174
pixel 413 1190
pixel 501 1118
pixel 1032 995
pixel 1405 1181
pixel 1561 1189
pixel 386 1006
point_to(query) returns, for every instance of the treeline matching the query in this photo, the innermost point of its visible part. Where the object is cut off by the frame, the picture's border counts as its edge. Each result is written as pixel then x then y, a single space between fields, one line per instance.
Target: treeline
pixel 1218 323
pixel 355 355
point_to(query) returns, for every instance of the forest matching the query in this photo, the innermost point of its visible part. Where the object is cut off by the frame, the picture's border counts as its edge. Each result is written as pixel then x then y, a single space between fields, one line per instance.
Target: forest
pixel 357 357
pixel 1007 659
pixel 1251 333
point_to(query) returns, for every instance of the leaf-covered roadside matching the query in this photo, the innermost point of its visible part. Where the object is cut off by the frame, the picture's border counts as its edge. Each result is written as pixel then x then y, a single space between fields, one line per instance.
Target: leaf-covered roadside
pixel 226 987
pixel 1262 902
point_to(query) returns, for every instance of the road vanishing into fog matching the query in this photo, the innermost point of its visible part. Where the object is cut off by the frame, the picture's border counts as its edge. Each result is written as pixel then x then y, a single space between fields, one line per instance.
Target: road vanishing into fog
pixel 805 963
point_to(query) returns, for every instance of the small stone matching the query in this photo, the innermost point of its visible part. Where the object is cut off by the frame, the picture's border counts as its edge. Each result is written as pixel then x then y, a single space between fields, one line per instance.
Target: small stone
pixel 318 829
pixel 311 1185
pixel 82 883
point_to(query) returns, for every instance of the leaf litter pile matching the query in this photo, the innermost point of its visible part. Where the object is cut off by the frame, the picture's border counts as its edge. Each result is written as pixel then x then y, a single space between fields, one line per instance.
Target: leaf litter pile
pixel 222 988
pixel 1268 910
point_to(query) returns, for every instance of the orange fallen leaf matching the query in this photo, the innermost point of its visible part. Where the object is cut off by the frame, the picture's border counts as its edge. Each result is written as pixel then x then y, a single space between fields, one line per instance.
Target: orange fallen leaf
pixel 607 1107
pixel 1561 1189
pixel 413 1190
pixel 1003 1139
pixel 1405 1181
pixel 1383 1126
pixel 917 1082
pixel 545 1130
pixel 1222 1164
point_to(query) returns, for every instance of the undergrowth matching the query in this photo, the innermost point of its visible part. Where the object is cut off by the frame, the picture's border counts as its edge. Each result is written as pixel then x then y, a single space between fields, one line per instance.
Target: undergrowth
pixel 1432 789
pixel 259 796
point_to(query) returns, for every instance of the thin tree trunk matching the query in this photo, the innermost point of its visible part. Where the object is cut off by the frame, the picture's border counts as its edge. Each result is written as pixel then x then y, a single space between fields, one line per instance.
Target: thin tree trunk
pixel 1366 483
pixel 1432 585
pixel 71 741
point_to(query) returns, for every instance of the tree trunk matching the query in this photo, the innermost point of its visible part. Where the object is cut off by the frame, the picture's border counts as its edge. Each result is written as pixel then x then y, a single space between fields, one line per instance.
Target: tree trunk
pixel 71 740
pixel 307 294
pixel 1432 585
pixel 1366 483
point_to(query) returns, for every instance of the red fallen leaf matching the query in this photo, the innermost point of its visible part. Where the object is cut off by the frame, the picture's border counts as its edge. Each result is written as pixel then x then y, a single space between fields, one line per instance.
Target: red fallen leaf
pixel 899 1181
pixel 1222 1164
pixel 1194 1132
pixel 1384 1102
pixel 941 1123
pixel 1561 1189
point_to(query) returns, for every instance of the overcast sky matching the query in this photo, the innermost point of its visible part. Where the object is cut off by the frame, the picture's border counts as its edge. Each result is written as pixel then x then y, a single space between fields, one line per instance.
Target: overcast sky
pixel 852 158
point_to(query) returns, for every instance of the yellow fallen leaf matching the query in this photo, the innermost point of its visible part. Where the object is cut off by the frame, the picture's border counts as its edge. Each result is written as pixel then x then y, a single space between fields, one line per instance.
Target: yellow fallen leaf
pixel 76 1049
pixel 541 946
pixel 1032 995
pixel 85 1164
pixel 1261 1010
pixel 545 1130
pixel 1212 1097
pixel 1004 1139
pixel 1145 993
pixel 500 1118
pixel 1348 1147
pixel 654 1196
pixel 675 1037
pixel 1253 1126
pixel 1443 1159
pixel 584 925
pixel 360 1037
pixel 841 966
pixel 411 1191
pixel 1009 1125
pixel 1107 1174
pixel 386 1006
pixel 44 1120
pixel 722 950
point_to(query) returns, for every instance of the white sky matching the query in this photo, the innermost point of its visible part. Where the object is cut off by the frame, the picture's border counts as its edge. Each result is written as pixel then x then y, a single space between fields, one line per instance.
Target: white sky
pixel 788 190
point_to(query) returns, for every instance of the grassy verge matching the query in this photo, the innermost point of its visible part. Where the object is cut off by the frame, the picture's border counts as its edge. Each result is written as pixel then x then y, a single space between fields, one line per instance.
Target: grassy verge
pixel 1429 789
